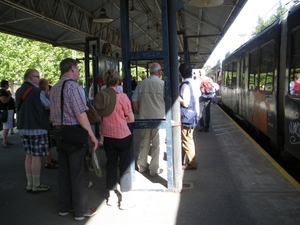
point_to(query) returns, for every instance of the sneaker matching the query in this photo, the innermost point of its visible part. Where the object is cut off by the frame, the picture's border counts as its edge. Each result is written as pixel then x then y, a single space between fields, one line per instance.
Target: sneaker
pixel 127 205
pixel 65 213
pixel 40 188
pixel 153 174
pixel 91 212
pixel 188 167
pixel 141 169
pixel 127 201
pixel 29 188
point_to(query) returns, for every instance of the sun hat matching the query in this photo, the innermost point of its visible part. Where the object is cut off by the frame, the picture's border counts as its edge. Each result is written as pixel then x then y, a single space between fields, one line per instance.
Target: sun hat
pixel 105 101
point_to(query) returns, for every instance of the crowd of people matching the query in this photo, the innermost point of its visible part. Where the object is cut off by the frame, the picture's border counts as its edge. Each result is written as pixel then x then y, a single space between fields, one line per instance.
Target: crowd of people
pixel 45 113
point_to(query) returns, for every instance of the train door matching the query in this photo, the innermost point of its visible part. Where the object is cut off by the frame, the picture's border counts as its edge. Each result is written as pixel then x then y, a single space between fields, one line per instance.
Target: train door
pixel 292 98
pixel 267 97
pixel 252 84
pixel 224 85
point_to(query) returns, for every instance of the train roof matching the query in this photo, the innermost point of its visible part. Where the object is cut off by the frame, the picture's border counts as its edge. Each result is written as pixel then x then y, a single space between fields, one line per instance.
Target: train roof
pixel 259 37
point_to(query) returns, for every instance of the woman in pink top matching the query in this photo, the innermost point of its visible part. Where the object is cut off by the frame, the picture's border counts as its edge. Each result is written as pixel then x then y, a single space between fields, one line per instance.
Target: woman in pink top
pixel 115 112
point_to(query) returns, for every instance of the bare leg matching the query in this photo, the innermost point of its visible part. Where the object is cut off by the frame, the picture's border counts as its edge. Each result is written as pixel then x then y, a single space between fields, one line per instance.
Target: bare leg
pixel 4 133
pixel 36 165
pixel 49 156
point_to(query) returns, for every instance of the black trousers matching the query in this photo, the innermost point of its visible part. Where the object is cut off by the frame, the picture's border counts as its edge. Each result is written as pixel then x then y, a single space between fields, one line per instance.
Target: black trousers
pixel 119 155
pixel 204 112
pixel 72 176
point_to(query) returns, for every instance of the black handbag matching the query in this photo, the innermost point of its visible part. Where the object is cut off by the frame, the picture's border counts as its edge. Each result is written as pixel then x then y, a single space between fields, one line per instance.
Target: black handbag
pixel 75 134
pixel 3 115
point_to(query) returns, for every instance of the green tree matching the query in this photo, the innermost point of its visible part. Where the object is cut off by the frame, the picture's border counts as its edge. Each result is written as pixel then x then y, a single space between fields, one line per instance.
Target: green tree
pixel 261 24
pixel 18 54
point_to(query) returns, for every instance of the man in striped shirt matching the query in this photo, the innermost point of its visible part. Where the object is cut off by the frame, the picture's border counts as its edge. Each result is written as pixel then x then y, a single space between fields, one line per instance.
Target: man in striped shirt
pixel 73 172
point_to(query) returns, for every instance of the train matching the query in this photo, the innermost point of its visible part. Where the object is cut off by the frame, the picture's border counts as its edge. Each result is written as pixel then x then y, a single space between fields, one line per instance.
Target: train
pixel 255 83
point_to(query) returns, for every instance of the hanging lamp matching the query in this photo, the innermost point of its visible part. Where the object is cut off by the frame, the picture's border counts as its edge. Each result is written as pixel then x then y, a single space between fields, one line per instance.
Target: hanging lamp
pixel 103 18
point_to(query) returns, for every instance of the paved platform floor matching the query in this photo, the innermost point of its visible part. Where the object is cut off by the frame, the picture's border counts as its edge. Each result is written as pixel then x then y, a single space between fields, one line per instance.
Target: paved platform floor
pixel 234 184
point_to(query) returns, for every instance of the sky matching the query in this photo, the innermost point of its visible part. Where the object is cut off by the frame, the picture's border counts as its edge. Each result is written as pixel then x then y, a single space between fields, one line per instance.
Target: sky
pixel 241 29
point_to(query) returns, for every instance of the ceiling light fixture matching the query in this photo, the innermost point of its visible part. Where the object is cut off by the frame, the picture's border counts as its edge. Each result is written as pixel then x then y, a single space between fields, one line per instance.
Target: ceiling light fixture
pixel 103 18
pixel 197 55
pixel 132 9
pixel 206 3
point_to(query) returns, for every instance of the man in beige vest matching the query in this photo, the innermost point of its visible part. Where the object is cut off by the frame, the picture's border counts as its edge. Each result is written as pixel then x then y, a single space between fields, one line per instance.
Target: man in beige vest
pixel 149 102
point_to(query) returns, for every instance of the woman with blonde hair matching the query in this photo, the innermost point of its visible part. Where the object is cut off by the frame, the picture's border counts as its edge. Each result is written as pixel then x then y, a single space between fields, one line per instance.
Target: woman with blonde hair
pixel 50 162
pixel 116 112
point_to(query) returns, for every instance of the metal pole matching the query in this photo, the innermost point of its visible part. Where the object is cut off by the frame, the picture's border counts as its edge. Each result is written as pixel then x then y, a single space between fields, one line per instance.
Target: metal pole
pixel 174 82
pixel 95 87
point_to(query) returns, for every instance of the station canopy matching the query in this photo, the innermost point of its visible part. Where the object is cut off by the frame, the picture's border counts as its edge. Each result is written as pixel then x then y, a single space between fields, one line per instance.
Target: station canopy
pixel 67 23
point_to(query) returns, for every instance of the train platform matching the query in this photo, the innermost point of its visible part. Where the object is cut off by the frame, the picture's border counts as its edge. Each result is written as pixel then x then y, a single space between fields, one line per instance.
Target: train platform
pixel 236 183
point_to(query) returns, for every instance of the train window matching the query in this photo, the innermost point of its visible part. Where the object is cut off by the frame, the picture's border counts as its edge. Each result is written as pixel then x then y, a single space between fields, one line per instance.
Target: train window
pixel 234 74
pixel 267 67
pixel 227 75
pixel 253 70
pixel 295 61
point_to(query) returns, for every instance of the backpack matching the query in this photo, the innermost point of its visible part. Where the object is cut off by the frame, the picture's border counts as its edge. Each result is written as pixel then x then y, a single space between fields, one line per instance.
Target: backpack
pixel 189 114
pixel 206 87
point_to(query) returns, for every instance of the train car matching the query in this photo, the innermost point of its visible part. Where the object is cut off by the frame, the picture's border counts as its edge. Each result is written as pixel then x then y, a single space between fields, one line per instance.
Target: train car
pixel 255 82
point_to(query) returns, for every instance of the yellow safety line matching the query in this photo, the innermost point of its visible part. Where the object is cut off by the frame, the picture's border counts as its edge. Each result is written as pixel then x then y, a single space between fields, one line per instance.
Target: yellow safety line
pixel 271 160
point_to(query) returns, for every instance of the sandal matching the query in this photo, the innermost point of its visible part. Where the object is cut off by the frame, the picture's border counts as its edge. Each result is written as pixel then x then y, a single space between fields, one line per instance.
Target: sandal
pixel 5 145
pixel 9 143
pixel 54 161
pixel 51 165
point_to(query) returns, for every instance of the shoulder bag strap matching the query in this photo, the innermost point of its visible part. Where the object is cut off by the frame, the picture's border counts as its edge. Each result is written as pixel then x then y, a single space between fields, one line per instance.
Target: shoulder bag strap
pixel 193 101
pixel 62 100
pixel 191 91
pixel 24 95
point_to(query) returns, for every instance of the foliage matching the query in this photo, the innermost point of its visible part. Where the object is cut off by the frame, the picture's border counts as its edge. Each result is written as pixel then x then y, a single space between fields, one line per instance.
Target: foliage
pixel 138 72
pixel 261 24
pixel 18 54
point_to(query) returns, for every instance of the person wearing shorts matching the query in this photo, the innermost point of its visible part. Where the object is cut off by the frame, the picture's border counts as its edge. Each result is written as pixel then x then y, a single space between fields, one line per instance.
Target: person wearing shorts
pixel 33 125
pixel 6 102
